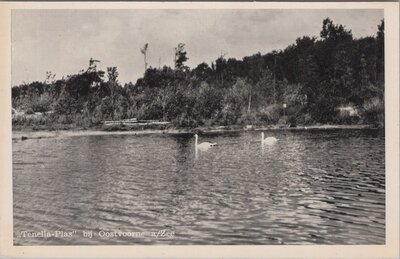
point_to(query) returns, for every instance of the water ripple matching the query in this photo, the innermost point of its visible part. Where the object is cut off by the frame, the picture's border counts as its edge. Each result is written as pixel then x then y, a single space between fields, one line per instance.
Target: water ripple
pixel 320 187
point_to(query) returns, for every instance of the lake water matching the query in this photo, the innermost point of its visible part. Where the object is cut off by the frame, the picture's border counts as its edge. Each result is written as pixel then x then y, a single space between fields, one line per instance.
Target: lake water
pixel 311 187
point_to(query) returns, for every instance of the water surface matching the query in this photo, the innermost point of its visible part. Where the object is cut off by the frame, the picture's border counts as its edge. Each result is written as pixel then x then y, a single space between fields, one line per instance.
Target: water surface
pixel 311 187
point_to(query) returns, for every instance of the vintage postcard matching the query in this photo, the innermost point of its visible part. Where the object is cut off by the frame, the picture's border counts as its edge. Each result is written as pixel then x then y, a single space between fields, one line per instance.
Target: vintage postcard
pixel 199 130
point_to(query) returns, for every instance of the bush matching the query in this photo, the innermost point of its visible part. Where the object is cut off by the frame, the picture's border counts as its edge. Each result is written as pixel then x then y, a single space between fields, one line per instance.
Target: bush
pixel 115 127
pixel 271 113
pixel 373 111
pixel 29 111
pixel 345 117
pixel 300 119
pixel 249 119
pixel 185 121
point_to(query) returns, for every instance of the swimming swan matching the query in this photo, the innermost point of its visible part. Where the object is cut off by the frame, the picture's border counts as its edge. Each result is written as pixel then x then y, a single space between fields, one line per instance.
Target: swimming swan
pixel 269 140
pixel 204 145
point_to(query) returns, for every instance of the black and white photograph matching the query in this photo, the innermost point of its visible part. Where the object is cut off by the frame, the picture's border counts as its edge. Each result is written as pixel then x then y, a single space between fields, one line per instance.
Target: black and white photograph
pixel 194 126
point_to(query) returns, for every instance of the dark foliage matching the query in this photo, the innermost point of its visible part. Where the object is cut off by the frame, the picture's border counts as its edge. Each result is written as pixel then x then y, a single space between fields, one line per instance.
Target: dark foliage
pixel 331 79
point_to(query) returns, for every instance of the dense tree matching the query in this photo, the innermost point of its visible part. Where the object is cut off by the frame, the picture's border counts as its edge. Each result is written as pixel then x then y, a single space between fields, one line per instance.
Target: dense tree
pixel 313 77
pixel 180 56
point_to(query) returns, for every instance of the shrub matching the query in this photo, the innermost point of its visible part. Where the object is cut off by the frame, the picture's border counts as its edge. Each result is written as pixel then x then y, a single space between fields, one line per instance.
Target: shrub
pixel 249 119
pixel 271 113
pixel 373 111
pixel 29 111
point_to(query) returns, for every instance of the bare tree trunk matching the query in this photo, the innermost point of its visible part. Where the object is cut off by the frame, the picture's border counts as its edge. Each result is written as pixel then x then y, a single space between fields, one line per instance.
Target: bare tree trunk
pixel 145 62
pixel 274 78
pixel 163 110
pixel 112 101
pixel 274 91
pixel 249 107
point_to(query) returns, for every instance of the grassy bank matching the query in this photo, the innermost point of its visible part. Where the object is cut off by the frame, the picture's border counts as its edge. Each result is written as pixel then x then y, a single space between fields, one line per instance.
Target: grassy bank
pixel 167 128
pixel 27 133
pixel 49 122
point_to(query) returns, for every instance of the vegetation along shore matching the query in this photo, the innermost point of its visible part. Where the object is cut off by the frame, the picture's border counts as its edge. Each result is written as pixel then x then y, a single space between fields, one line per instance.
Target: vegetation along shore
pixel 332 79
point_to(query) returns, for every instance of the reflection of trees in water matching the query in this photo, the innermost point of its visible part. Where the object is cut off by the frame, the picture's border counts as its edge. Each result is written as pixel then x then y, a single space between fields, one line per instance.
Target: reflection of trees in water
pixel 183 148
pixel 286 164
pixel 182 179
pixel 87 174
pixel 289 185
pixel 184 162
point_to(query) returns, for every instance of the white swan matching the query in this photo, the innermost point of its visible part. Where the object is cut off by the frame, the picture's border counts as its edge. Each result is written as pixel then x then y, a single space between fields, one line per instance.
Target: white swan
pixel 269 140
pixel 204 145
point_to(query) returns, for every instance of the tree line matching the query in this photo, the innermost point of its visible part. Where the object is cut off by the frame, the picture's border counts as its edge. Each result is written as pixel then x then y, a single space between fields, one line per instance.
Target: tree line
pixel 314 77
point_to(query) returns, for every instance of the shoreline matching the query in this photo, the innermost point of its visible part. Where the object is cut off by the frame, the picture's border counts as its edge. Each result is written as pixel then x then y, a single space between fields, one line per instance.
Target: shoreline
pixel 38 134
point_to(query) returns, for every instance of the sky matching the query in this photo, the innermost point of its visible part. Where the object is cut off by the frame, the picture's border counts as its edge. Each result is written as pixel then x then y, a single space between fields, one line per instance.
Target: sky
pixel 63 41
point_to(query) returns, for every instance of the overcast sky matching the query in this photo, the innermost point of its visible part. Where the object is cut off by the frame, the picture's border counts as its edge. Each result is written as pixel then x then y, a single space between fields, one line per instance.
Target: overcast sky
pixel 63 41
